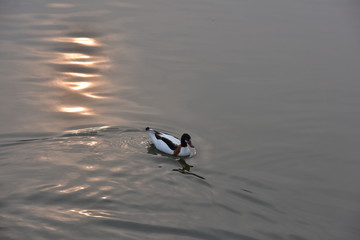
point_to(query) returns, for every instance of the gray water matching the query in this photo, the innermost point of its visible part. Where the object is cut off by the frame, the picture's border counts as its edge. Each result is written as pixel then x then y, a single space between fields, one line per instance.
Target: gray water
pixel 268 90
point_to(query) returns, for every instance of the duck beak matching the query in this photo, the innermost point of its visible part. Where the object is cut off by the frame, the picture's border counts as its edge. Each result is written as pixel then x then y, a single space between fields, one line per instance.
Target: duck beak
pixel 190 144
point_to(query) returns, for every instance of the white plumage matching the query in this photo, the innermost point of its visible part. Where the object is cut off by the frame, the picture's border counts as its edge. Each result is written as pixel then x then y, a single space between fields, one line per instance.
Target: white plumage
pixel 170 144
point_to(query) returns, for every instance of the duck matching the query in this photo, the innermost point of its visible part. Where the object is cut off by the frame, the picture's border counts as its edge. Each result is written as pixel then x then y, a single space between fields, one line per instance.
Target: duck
pixel 169 144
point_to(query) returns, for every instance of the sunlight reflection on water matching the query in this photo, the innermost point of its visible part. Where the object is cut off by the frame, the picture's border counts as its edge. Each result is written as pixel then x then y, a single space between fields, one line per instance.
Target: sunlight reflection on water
pixel 80 59
pixel 79 73
pixel 87 41
pixel 92 213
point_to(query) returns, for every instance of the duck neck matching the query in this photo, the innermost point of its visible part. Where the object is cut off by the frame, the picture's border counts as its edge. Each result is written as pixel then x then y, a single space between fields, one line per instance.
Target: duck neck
pixel 183 143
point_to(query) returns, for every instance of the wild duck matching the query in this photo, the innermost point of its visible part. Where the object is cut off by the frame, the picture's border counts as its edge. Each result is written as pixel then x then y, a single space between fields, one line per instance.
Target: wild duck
pixel 170 144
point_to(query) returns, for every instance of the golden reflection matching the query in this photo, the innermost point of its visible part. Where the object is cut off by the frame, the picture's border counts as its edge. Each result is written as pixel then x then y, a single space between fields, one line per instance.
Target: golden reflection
pixel 72 109
pixel 80 72
pixel 78 85
pixel 91 213
pixel 80 59
pixel 74 189
pixel 76 109
pixel 83 75
pixel 75 56
pixel 96 179
pixel 86 41
pixel 89 167
pixel 92 95
pixel 82 63
pixel 92 143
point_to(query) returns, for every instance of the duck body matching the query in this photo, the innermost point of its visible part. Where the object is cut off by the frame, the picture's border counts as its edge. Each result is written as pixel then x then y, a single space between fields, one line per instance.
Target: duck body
pixel 170 144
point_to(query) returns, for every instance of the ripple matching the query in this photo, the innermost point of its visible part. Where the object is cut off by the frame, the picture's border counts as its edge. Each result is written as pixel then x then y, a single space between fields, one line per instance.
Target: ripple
pixel 74 189
pixel 87 131
pixel 251 199
pixel 155 229
pixel 252 182
pixel 262 217
pixel 91 213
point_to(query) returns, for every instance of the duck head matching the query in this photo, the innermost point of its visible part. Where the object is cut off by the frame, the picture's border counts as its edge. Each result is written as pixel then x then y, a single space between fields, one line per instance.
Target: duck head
pixel 185 140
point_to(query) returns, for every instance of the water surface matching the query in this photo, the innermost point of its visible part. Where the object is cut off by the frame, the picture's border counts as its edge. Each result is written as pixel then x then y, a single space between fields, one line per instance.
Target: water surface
pixel 268 91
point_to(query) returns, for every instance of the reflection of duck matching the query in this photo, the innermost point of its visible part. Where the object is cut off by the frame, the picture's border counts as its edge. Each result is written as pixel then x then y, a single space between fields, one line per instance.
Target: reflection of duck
pixel 169 144
pixel 186 169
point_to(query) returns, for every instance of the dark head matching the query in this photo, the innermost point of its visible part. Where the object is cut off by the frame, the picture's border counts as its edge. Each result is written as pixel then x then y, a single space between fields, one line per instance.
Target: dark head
pixel 185 140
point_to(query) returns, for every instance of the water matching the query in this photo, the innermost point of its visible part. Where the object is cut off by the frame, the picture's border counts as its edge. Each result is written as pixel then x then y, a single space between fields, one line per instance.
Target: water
pixel 268 91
